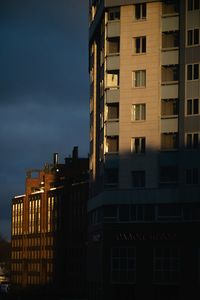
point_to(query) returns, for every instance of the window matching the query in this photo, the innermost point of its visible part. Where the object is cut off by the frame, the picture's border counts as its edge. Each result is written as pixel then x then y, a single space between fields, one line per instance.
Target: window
pixel 113 111
pixel 170 39
pixel 169 211
pixel 112 144
pixel 169 107
pixel 111 177
pixel 123 264
pixel 113 79
pixel 140 11
pixel 192 141
pixel 192 176
pixel 193 4
pixel 139 44
pixel 113 45
pixel 166 265
pixel 193 37
pixel 114 14
pixel 139 78
pixel 138 145
pixel 192 106
pixel 168 175
pixel 170 73
pixel 193 72
pixel 138 179
pixel 138 112
pixel 169 141
pixel 170 7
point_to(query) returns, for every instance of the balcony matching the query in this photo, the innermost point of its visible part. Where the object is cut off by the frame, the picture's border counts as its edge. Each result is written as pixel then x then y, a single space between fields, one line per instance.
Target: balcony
pixel 169 108
pixel 170 23
pixel 112 144
pixel 112 95
pixel 112 128
pixel 169 91
pixel 170 8
pixel 113 62
pixel 170 40
pixel 170 74
pixel 169 141
pixel 170 57
pixel 112 112
pixel 169 125
pixel 112 79
pixel 113 29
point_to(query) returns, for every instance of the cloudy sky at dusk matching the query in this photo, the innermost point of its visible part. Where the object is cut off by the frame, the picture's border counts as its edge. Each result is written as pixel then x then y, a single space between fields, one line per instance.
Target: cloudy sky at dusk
pixel 44 106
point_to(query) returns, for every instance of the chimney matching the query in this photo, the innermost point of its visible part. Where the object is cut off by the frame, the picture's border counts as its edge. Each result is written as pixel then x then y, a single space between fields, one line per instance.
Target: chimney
pixel 55 158
pixel 75 153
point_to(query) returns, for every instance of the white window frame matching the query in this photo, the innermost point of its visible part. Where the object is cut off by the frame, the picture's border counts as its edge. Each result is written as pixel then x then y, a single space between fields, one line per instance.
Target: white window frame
pixel 193 79
pixel 141 17
pixel 192 101
pixel 138 149
pixel 193 44
pixel 139 79
pixel 192 135
pixel 140 39
pixel 142 112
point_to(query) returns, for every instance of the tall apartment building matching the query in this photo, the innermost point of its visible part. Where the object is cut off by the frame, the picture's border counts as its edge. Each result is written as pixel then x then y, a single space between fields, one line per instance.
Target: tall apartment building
pixel 49 228
pixel 144 207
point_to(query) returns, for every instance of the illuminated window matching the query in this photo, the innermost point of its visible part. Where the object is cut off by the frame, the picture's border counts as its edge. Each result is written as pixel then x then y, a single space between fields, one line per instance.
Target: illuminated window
pixel 139 78
pixel 138 112
pixel 138 145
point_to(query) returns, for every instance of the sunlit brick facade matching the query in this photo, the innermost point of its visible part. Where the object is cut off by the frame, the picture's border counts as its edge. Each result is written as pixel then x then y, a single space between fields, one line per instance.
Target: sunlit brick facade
pixel 49 228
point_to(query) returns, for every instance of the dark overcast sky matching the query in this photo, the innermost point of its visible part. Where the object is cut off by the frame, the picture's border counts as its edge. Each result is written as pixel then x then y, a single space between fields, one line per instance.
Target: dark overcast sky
pixel 44 94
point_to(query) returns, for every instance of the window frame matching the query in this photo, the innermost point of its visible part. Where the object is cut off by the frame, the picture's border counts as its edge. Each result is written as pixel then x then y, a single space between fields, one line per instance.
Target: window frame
pixel 192 176
pixel 192 101
pixel 141 180
pixel 142 43
pixel 140 148
pixel 190 142
pixel 140 8
pixel 191 69
pixel 123 264
pixel 191 36
pixel 191 5
pixel 137 78
pixel 142 112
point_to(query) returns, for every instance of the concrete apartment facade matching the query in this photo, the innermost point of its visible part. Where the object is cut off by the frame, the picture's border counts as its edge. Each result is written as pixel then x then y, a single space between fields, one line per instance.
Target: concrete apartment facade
pixel 49 228
pixel 144 64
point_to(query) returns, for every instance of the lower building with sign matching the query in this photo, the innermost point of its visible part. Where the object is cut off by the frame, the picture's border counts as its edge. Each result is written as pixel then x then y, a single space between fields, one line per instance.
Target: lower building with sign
pixel 144 251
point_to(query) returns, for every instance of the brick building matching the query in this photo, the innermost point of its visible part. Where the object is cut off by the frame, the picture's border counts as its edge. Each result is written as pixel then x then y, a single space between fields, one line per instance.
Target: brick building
pixel 49 227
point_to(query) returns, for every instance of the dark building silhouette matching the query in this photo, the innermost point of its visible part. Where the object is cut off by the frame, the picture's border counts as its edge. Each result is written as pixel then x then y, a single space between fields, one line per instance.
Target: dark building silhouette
pixel 49 228
pixel 144 207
